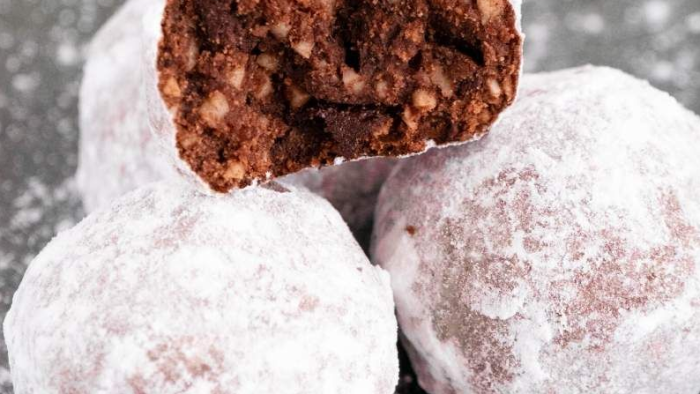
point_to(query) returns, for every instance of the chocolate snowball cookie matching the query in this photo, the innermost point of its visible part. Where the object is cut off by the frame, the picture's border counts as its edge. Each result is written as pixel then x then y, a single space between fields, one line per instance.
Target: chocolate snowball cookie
pixel 171 291
pixel 117 151
pixel 352 188
pixel 560 253
pixel 252 90
pixel 119 154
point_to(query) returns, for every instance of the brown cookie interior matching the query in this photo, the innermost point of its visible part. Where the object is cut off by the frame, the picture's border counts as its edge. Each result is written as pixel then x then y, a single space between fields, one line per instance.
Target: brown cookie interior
pixel 264 88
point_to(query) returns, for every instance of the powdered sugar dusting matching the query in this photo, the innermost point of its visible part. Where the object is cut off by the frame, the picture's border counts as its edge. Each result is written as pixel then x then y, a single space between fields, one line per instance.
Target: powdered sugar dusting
pixel 117 150
pixel 172 291
pixel 561 249
pixel 352 188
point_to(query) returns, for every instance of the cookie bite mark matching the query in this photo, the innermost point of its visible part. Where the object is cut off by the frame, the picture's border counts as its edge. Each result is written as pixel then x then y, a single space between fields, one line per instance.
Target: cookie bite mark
pixel 270 87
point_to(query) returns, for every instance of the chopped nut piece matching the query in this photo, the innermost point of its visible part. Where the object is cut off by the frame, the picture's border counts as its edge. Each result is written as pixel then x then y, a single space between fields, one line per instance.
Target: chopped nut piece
pixel 189 140
pixel 352 80
pixel 439 78
pixel 415 32
pixel 410 117
pixel 297 97
pixel 494 88
pixel 384 129
pixel 382 89
pixel 192 55
pixel 234 171
pixel 172 88
pixel 304 48
pixel 508 87
pixel 267 61
pixel 489 9
pixel 484 116
pixel 424 100
pixel 236 77
pixel 214 108
pixel 265 89
pixel 280 30
pixel 328 4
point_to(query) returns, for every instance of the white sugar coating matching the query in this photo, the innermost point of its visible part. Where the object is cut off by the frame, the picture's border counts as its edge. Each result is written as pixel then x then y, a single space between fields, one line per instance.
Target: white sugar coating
pixel 117 150
pixel 560 253
pixel 517 8
pixel 172 291
pixel 352 188
pixel 119 154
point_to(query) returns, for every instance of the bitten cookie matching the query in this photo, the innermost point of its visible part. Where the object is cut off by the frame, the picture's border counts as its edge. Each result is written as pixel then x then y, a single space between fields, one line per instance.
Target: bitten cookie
pixel 245 91
pixel 171 291
pixel 119 154
pixel 559 254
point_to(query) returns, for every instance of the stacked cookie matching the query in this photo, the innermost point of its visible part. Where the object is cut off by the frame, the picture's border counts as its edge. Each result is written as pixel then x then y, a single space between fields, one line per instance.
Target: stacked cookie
pixel 559 253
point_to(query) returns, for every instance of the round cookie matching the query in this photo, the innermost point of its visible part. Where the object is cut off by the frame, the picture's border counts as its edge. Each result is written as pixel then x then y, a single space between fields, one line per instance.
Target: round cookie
pixel 171 291
pixel 117 150
pixel 561 253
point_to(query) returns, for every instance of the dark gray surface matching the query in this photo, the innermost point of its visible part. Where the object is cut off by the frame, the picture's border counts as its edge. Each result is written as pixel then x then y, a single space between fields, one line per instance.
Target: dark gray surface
pixel 40 59
pixel 658 40
pixel 41 47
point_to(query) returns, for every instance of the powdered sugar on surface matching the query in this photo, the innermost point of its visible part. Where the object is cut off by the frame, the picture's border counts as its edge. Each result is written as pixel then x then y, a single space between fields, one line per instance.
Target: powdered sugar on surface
pixel 117 150
pixel 562 250
pixel 352 188
pixel 172 291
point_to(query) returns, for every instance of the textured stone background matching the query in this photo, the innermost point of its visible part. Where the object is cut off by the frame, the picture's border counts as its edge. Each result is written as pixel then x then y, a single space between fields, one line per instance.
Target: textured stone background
pixel 42 43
